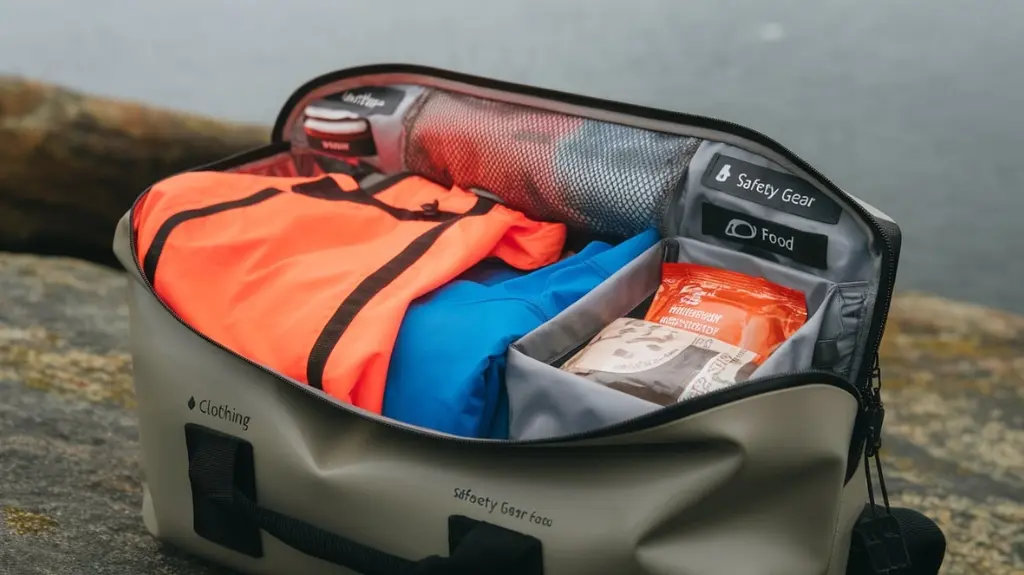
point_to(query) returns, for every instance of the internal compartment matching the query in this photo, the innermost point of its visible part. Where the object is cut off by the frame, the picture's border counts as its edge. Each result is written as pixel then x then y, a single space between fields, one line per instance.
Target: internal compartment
pixel 714 197
pixel 546 401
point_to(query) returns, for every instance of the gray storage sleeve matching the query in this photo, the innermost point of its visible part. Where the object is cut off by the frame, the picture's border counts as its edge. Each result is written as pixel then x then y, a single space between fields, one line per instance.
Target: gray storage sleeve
pixel 545 401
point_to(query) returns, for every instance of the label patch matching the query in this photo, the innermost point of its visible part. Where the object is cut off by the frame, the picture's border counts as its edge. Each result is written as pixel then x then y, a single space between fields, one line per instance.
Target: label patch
pixel 776 190
pixel 366 101
pixel 223 412
pixel 358 147
pixel 804 247
pixel 496 506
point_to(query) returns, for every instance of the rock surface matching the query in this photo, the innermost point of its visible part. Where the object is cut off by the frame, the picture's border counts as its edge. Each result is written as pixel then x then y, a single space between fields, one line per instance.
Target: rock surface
pixel 954 390
pixel 69 478
pixel 71 164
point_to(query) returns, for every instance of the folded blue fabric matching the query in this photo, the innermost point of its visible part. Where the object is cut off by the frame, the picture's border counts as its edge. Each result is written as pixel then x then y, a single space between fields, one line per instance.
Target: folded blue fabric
pixel 447 370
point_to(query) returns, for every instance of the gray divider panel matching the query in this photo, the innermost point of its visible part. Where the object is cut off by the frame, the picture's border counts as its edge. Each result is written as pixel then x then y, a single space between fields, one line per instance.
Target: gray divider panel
pixel 546 401
pixel 740 201
pixel 755 187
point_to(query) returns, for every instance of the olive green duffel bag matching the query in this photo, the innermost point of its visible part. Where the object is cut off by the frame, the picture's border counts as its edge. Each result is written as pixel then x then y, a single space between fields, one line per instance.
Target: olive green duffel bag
pixel 265 474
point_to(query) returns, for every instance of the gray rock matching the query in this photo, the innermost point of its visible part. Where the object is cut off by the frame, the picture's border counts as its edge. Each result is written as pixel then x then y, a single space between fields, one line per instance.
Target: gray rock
pixel 69 475
pixel 954 448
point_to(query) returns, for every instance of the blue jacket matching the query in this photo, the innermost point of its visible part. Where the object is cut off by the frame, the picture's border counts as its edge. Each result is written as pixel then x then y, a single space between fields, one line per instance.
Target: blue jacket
pixel 447 370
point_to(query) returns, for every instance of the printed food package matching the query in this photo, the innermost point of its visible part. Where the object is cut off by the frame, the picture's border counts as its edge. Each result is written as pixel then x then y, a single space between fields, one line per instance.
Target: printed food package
pixel 707 329
pixel 660 363
pixel 748 312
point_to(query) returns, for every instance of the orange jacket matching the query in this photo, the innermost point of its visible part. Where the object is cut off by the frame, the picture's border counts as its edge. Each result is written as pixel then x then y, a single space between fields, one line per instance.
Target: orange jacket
pixel 311 277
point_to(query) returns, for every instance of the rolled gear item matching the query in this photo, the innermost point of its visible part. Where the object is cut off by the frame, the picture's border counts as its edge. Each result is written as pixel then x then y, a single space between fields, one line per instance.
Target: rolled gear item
pixel 619 180
pixel 507 149
pixel 338 132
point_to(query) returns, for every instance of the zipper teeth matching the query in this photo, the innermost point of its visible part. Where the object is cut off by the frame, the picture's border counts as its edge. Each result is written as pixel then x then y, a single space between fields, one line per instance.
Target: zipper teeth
pixel 881 308
pixel 880 312
pixel 659 415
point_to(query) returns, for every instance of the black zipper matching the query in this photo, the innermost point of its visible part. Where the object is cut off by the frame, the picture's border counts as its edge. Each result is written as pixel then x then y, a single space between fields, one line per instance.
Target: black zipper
pixel 886 233
pixel 241 158
pixel 750 388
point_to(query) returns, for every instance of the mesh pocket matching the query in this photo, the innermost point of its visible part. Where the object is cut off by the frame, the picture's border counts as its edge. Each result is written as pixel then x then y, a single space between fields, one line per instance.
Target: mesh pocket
pixel 600 177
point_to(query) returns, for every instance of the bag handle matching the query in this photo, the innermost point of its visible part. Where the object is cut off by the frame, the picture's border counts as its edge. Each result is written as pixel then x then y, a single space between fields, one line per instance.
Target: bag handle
pixel 220 471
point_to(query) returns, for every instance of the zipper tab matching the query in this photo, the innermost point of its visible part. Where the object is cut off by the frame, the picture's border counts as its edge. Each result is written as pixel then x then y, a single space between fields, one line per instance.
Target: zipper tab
pixel 875 414
pixel 878 543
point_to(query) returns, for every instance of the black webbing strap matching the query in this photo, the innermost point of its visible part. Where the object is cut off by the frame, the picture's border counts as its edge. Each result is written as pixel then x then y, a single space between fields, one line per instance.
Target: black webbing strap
pixel 481 548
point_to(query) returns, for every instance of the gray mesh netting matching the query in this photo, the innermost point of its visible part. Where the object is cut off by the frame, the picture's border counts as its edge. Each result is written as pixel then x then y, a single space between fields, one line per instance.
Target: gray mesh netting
pixel 597 176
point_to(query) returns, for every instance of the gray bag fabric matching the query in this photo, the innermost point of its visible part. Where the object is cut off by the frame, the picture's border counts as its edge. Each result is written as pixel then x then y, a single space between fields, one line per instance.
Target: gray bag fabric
pixel 266 475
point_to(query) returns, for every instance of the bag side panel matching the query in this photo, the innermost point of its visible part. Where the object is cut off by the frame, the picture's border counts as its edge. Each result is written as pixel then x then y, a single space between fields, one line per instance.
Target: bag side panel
pixel 755 482
pixel 855 496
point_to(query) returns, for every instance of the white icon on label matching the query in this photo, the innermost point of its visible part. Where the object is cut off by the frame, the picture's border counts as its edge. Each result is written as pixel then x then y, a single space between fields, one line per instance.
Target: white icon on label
pixel 724 173
pixel 740 229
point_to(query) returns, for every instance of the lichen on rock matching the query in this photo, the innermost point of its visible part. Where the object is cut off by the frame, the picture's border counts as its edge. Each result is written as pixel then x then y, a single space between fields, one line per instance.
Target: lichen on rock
pixel 21 522
pixel 954 389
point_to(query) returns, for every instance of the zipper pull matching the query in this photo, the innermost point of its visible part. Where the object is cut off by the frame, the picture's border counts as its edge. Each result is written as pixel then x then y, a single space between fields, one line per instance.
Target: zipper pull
pixel 878 545
pixel 875 413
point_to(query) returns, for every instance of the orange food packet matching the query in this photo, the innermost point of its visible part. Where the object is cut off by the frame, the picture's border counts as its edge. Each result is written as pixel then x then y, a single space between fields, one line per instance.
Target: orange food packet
pixel 748 312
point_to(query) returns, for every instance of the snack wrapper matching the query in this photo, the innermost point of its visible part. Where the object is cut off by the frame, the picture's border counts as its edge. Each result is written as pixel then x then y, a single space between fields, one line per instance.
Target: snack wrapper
pixel 660 363
pixel 748 312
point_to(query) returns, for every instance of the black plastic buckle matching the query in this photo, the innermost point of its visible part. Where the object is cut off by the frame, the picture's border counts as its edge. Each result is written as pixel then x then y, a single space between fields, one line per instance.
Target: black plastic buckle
pixel 879 538
pixel 431 208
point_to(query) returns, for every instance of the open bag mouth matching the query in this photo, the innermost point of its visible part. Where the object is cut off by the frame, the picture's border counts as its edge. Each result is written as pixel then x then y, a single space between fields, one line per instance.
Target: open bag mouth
pixel 716 193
